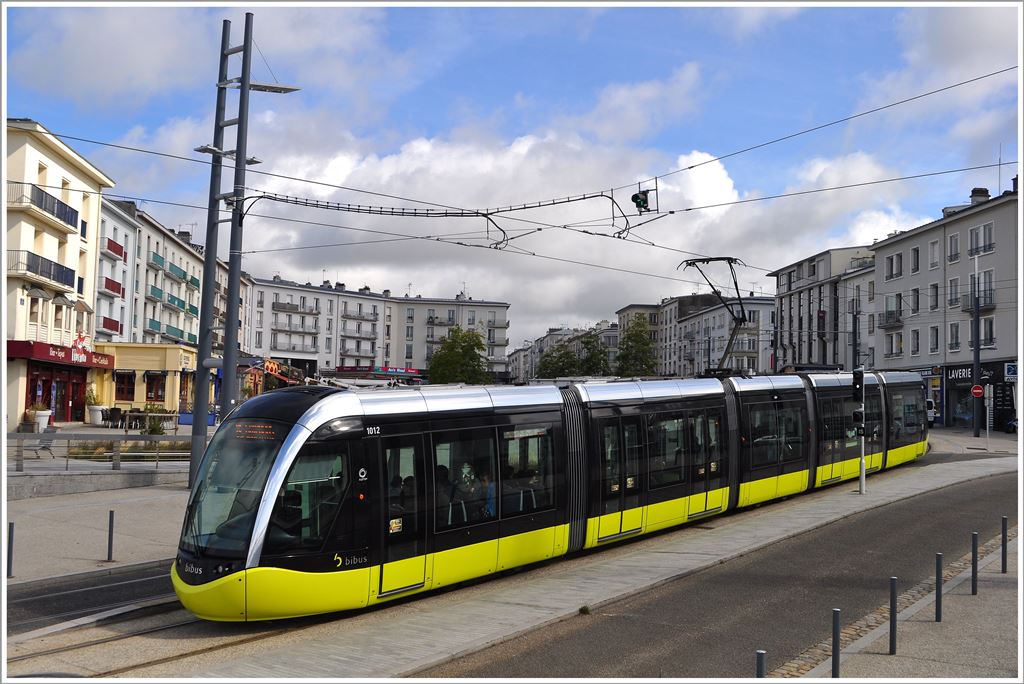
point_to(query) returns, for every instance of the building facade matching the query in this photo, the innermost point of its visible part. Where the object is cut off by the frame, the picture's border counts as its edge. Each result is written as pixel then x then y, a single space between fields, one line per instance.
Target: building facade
pixel 115 274
pixel 923 309
pixel 705 333
pixel 52 224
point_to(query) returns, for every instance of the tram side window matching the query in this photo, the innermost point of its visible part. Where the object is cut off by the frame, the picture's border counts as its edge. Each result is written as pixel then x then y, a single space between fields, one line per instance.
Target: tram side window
pixel 906 417
pixel 792 420
pixel 763 435
pixel 667 463
pixel 707 434
pixel 310 498
pixel 465 481
pixel 831 427
pixel 526 458
pixel 873 419
pixel 851 440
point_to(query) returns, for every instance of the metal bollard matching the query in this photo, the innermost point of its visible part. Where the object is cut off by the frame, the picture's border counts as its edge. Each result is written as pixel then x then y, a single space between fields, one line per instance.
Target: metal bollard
pixel 760 663
pixel 110 538
pixel 10 549
pixel 974 563
pixel 1004 544
pixel 835 643
pixel 157 467
pixel 19 459
pixel 115 460
pixel 938 587
pixel 892 616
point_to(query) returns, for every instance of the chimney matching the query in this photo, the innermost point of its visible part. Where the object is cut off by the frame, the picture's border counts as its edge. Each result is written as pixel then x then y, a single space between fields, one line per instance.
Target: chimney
pixel 339 286
pixel 979 195
pixel 326 283
pixel 387 293
pixel 277 278
pixel 364 289
pixel 1015 183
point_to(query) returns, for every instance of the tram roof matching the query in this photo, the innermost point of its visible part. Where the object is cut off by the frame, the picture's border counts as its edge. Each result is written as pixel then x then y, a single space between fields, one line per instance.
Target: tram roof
pixel 839 379
pixel 648 390
pixel 767 383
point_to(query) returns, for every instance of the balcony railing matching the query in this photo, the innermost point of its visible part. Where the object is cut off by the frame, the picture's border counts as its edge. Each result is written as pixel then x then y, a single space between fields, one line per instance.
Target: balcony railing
pixel 295 328
pixel 23 262
pixel 437 320
pixel 498 324
pixel 985 342
pixel 890 319
pixel 111 325
pixel 176 301
pixel 363 335
pixel 294 308
pixel 177 272
pixel 191 337
pixel 193 282
pixel 154 293
pixel 893 354
pixel 111 287
pixel 954 345
pixel 981 249
pixel 955 256
pixel 287 346
pixel 354 315
pixel 153 325
pixel 192 310
pixel 365 353
pixel 24 194
pixel 114 249
pixel 954 300
pixel 986 301
pixel 154 259
pixel 173 331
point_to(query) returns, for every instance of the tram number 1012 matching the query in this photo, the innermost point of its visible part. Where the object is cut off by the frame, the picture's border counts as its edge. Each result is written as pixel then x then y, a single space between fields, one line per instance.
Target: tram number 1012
pixel 372 430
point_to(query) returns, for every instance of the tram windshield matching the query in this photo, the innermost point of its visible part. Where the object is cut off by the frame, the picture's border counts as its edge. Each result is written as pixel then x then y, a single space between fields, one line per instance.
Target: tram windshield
pixel 222 510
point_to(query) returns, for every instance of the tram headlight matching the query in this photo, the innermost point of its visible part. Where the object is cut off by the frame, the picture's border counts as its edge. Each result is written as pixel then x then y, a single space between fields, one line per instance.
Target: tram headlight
pixel 339 427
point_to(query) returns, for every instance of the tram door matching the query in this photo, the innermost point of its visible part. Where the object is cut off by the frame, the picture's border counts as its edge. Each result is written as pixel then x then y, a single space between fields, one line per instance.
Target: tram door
pixel 704 443
pixel 404 549
pixel 621 451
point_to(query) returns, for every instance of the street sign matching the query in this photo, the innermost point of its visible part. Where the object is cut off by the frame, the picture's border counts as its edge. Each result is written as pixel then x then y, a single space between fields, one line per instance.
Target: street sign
pixel 977 391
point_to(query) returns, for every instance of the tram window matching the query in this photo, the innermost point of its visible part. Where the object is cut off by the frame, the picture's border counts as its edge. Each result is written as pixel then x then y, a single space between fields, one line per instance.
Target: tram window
pixel 712 445
pixel 792 420
pixel 464 470
pixel 851 440
pixel 400 474
pixel 526 461
pixel 308 502
pixel 873 419
pixel 831 425
pixel 906 417
pixel 763 435
pixel 667 464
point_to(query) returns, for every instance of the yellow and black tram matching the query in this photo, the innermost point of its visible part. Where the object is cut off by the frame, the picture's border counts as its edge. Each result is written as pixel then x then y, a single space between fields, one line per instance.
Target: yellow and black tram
pixel 315 499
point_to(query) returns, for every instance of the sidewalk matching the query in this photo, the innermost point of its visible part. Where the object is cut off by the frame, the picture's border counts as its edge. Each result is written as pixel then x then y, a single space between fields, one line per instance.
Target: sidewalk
pixel 962 440
pixel 976 638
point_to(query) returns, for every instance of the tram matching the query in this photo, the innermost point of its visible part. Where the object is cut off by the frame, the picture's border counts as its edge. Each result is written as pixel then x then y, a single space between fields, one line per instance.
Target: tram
pixel 315 499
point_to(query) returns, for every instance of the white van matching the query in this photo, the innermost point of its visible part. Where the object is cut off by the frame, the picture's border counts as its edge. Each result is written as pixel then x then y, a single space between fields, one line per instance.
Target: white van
pixel 930 405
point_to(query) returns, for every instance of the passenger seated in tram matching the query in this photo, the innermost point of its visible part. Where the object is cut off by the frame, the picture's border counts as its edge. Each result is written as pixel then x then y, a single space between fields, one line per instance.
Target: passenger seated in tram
pixel 487 490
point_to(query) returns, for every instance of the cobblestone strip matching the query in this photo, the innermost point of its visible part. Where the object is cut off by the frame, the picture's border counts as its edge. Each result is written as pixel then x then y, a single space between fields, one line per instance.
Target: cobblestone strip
pixel 820 652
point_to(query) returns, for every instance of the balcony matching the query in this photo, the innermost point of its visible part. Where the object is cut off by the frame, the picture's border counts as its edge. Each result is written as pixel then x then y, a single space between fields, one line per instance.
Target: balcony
pixel 498 343
pixel 289 347
pixel 436 340
pixel 954 257
pixel 154 293
pixel 983 249
pixel 193 282
pixel 356 316
pixel 890 319
pixel 111 288
pixel 111 325
pixel 177 302
pixel 191 337
pixel 173 332
pixel 893 354
pixel 363 335
pixel 366 354
pixel 153 325
pixel 192 310
pixel 436 320
pixel 954 300
pixel 41 203
pixel 860 262
pixel 954 345
pixel 294 308
pixel 308 330
pixel 177 273
pixel 154 259
pixel 114 249
pixel 36 269
pixel 986 302
pixel 217 287
pixel 498 324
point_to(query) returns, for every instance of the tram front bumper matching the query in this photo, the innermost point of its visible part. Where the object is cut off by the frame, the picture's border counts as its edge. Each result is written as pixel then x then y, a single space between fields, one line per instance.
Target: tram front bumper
pixel 222 600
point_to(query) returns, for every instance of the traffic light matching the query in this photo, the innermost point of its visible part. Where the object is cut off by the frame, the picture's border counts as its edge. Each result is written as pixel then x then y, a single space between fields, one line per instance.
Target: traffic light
pixel 858 421
pixel 640 200
pixel 858 384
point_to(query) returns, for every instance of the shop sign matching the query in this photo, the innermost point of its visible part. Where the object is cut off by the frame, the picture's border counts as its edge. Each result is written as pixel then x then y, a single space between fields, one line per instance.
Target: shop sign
pixel 963 376
pixel 1010 371
pixel 52 353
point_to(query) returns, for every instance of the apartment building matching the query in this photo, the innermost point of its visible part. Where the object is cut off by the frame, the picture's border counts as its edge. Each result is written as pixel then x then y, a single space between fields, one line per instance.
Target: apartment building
pixel 415 327
pixel 669 334
pixel 115 274
pixel 607 333
pixel 704 334
pixel 813 300
pixel 519 365
pixel 924 282
pixel 542 345
pixel 315 327
pixel 52 223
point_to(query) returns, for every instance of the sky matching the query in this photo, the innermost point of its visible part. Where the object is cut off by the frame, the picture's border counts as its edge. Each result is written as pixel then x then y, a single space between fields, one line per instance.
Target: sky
pixel 485 107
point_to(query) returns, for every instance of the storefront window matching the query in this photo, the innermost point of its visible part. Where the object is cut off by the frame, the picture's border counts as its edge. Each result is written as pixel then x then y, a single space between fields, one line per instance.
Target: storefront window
pixel 124 386
pixel 155 387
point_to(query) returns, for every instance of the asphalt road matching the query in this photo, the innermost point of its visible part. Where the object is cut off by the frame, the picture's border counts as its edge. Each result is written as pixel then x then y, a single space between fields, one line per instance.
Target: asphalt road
pixel 779 599
pixel 34 605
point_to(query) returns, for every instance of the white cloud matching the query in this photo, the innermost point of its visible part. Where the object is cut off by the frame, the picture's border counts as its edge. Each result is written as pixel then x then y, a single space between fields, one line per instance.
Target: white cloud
pixel 877 224
pixel 743 22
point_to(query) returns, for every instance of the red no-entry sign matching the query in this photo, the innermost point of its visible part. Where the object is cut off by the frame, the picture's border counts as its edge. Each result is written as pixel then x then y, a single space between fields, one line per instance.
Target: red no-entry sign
pixel 977 391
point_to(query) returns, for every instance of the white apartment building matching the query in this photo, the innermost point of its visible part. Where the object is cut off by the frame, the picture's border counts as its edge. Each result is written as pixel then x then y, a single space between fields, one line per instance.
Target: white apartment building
pixel 414 327
pixel 543 344
pixel 706 332
pixel 52 222
pixel 115 274
pixel 519 365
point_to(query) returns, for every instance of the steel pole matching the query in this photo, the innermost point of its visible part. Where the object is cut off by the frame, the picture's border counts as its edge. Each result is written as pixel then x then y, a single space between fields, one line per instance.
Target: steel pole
pixel 863 436
pixel 892 616
pixel 201 405
pixel 835 643
pixel 229 383
pixel 976 334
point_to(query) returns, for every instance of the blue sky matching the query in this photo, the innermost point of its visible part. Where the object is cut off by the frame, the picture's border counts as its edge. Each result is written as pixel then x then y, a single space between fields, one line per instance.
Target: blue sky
pixel 486 106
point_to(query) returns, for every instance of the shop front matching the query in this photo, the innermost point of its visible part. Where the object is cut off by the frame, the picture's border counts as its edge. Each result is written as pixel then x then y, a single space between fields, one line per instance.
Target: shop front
pixel 959 404
pixel 932 376
pixel 52 375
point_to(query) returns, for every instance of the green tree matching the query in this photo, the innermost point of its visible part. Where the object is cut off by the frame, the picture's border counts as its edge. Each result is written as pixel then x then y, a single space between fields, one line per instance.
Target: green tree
pixel 459 359
pixel 595 355
pixel 636 349
pixel 558 362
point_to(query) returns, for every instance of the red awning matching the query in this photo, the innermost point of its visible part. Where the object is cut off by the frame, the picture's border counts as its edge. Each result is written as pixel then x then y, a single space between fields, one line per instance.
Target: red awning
pixel 281 377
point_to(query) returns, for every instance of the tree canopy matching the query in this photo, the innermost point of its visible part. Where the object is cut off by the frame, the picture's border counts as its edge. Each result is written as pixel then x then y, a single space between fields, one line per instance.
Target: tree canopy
pixel 558 362
pixel 636 349
pixel 459 359
pixel 595 355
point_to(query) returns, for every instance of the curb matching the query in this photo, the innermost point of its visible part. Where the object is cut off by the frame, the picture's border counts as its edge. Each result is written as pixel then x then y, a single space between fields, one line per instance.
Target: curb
pixel 14 588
